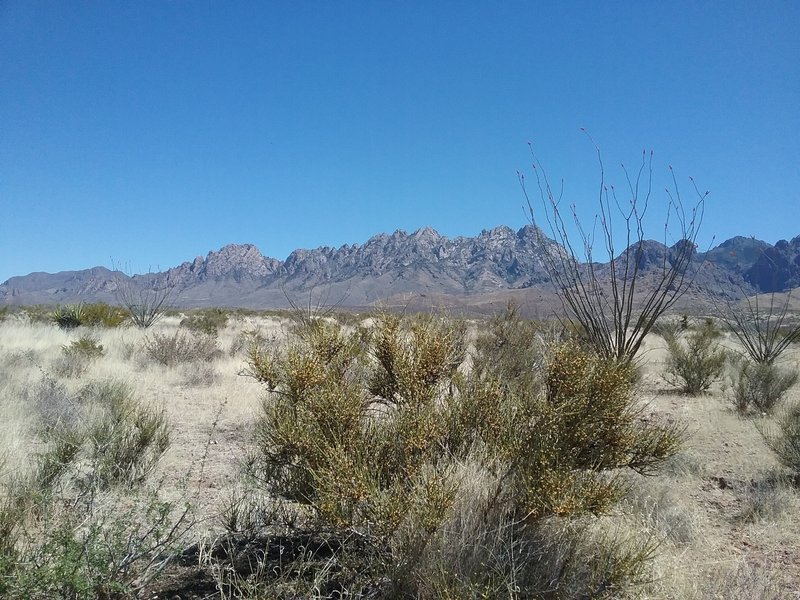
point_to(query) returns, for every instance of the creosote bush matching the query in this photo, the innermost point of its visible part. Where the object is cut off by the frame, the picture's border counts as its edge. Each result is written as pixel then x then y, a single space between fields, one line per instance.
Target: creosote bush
pixel 85 346
pixel 380 432
pixel 100 314
pixel 695 359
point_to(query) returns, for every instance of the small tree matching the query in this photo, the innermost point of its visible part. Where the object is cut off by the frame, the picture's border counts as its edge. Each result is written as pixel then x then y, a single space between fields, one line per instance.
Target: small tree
pixel 617 310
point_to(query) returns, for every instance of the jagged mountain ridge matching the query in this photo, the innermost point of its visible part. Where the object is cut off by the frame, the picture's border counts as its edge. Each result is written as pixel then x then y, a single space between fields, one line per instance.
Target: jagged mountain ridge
pixel 391 265
pixel 497 257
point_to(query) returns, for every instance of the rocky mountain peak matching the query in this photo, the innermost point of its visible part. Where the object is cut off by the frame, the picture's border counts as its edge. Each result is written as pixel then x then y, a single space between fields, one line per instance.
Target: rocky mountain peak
pixel 237 261
pixel 427 234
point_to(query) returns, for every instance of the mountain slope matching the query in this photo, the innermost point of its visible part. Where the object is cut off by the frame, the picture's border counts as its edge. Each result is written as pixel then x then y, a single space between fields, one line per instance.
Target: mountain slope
pixel 402 265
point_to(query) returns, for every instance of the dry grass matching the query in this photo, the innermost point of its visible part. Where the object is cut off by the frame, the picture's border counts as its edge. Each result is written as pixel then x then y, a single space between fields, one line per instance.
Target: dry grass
pixel 726 524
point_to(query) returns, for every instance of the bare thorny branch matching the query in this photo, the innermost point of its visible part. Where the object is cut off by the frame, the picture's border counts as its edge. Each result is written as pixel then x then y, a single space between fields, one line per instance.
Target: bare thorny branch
pixel 616 312
pixel 764 332
pixel 147 302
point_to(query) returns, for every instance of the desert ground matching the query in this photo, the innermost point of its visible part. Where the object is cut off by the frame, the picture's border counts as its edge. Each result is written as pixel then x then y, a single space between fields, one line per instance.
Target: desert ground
pixel 727 524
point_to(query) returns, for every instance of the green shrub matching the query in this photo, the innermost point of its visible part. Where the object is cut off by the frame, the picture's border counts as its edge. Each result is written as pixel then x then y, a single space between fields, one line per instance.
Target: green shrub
pixel 101 314
pixel 69 317
pixel 759 386
pixel 783 437
pixel 513 348
pixel 77 356
pixel 208 321
pixel 38 313
pixel 85 346
pixel 180 347
pixel 370 432
pixel 695 359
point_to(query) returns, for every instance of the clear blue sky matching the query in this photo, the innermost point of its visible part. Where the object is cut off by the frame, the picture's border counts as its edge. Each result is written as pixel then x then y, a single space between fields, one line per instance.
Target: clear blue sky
pixel 147 133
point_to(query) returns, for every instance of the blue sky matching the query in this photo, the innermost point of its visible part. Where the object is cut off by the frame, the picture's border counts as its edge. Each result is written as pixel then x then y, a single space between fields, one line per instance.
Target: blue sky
pixel 146 133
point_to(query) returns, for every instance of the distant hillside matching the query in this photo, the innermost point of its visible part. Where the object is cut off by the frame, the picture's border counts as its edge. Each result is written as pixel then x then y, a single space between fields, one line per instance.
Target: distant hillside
pixel 397 267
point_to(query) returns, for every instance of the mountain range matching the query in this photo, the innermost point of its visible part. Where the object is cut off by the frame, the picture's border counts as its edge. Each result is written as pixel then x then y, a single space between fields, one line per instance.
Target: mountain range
pixel 403 268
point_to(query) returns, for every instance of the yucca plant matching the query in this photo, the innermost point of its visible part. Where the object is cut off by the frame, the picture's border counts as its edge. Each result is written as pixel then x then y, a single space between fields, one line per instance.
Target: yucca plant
pixel 69 316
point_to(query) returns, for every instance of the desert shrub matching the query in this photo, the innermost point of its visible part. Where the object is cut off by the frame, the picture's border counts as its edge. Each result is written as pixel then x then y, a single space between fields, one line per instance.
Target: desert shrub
pixel 104 423
pixel 38 313
pixel 370 432
pixel 180 347
pixel 77 356
pixel 253 341
pixel 695 359
pixel 101 314
pixel 667 327
pixel 765 329
pixel 63 536
pixel 783 436
pixel 611 304
pixel 146 299
pixel 126 438
pixel 513 347
pixel 208 321
pixel 759 386
pixel 85 346
pixel 766 498
pixel 70 365
pixel 84 548
pixel 68 317
pixel 4 312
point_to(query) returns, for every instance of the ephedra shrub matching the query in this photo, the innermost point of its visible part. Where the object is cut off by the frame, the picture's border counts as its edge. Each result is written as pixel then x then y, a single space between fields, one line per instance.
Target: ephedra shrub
pixel 396 449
